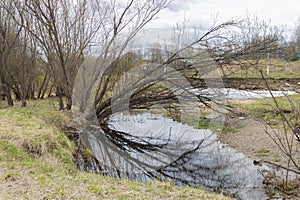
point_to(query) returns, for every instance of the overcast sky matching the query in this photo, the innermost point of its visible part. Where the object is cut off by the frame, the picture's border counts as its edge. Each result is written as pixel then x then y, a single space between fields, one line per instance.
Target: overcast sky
pixel 202 12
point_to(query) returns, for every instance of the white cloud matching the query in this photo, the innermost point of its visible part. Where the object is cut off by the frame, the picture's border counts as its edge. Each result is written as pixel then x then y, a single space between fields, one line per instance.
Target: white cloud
pixel 180 5
pixel 202 12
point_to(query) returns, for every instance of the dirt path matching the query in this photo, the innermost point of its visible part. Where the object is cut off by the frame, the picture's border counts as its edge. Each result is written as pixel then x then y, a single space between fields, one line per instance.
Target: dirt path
pixel 253 141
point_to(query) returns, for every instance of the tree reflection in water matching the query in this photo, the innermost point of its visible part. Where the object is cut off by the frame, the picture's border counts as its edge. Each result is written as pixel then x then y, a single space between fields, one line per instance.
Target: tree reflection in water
pixel 145 146
pixel 171 150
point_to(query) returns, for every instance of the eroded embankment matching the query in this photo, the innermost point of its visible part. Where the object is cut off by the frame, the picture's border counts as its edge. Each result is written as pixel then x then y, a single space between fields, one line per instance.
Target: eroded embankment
pixel 249 83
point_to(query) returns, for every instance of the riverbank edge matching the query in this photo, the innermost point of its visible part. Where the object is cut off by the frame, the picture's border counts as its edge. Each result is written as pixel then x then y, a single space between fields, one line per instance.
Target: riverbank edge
pixel 36 162
pixel 249 83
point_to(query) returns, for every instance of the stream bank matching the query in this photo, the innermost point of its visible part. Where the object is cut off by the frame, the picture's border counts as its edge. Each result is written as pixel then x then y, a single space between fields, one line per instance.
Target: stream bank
pixel 212 166
pixel 292 84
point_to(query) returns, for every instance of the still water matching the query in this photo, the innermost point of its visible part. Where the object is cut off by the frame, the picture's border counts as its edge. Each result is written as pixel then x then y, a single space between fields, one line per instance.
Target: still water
pixel 146 146
pixel 231 93
pixel 206 161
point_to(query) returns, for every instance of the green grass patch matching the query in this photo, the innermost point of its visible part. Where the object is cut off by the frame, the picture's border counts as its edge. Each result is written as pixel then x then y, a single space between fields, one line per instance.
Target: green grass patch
pixel 263 150
pixel 265 109
pixel 277 69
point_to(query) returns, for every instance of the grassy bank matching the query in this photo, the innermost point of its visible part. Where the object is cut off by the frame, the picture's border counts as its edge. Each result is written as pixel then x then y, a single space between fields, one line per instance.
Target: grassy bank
pixel 265 109
pixel 36 162
pixel 278 68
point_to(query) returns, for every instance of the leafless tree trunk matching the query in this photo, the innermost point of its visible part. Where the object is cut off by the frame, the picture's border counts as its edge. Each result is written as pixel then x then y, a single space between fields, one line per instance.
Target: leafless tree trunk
pixel 63 30
pixel 9 34
pixel 119 24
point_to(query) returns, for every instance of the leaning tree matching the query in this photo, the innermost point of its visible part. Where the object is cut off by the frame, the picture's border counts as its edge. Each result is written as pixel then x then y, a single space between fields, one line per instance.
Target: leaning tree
pixel 126 79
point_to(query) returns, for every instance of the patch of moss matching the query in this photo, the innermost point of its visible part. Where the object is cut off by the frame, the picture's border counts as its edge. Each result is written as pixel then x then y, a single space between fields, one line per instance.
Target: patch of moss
pixel 264 150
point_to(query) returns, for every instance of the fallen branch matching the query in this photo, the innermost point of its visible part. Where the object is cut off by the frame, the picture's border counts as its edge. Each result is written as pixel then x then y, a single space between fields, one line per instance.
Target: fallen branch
pixel 282 167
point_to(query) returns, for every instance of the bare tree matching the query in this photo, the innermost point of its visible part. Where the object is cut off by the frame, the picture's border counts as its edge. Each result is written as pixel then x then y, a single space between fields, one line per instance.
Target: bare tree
pixel 9 39
pixel 243 48
pixel 119 23
pixel 18 56
pixel 63 30
pixel 293 48
pixel 158 83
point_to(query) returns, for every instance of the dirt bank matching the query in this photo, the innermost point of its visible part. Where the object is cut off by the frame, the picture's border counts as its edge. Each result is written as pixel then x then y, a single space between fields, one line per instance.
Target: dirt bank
pixel 253 141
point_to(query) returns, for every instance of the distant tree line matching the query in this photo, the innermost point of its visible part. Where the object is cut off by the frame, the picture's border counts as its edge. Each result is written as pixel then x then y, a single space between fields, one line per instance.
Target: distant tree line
pixel 293 46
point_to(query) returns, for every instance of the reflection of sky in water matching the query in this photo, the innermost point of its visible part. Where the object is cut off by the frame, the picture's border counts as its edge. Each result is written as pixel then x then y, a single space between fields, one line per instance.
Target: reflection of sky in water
pixel 174 138
pixel 155 126
pixel 230 93
pixel 185 154
pixel 213 164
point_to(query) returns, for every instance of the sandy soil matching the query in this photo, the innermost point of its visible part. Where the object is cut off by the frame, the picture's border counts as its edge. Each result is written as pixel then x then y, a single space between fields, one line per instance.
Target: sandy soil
pixel 254 142
pixel 254 138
